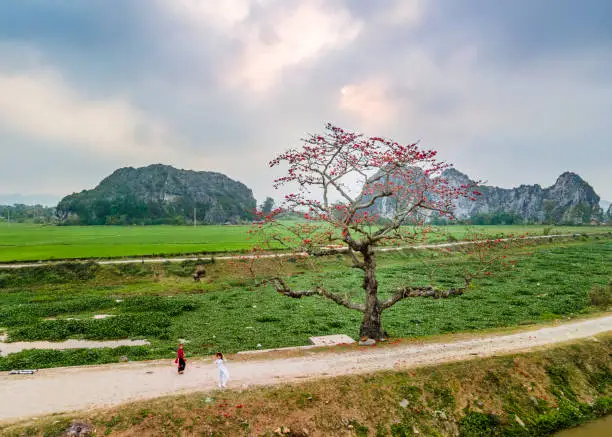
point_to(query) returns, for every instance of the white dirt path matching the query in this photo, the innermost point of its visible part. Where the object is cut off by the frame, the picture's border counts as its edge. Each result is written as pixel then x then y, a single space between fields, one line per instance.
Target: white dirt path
pixel 18 346
pixel 79 388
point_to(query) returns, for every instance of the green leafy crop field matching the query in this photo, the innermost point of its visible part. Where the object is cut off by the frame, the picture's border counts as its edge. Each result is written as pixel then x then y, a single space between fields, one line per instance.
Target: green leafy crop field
pixel 226 312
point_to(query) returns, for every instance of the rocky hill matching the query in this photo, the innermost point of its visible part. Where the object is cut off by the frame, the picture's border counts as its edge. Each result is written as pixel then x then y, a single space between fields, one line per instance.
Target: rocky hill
pixel 570 200
pixel 159 194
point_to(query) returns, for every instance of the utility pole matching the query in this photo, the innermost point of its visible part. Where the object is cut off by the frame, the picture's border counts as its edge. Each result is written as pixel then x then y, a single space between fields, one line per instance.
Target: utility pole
pixel 194 217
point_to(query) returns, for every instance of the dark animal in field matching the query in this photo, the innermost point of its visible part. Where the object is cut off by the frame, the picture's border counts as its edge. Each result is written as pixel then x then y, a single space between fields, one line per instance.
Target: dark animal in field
pixel 199 273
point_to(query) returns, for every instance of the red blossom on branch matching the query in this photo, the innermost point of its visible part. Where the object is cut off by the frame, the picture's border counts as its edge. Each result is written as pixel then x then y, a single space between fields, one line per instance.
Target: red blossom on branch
pixel 339 180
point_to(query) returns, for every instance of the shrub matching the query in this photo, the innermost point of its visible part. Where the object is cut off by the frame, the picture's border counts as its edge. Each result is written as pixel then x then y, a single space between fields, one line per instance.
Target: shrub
pixel 601 296
pixel 602 406
pixel 134 269
pixel 475 424
pixel 566 416
pixel 401 430
pixel 5 279
pixel 411 393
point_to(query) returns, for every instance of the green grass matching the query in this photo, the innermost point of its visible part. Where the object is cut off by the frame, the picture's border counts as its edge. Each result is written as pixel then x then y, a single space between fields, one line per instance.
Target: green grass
pixel 27 242
pixel 224 312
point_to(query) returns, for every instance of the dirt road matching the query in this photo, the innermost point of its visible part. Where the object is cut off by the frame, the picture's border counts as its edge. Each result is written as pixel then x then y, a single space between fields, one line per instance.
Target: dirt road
pixel 67 389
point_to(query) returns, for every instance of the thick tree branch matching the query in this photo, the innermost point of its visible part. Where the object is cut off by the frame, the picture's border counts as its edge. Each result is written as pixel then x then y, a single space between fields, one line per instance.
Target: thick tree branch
pixel 408 292
pixel 284 289
pixel 371 202
pixel 356 263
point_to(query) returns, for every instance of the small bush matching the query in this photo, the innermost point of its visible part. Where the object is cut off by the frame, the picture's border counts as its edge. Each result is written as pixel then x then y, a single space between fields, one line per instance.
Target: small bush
pixel 601 296
pixel 360 430
pixel 475 424
pixel 134 269
pixel 566 416
pixel 441 397
pixel 602 406
pixel 412 393
pixel 401 430
pixel 183 269
pixel 5 279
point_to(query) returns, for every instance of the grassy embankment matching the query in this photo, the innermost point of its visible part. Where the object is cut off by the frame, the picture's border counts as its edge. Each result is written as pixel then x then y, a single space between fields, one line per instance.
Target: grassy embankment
pixel 24 242
pixel 224 312
pixel 532 394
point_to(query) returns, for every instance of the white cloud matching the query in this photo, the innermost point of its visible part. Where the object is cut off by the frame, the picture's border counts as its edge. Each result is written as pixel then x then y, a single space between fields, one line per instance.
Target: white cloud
pixel 371 101
pixel 404 12
pixel 40 105
pixel 278 37
pixel 220 14
pixel 295 37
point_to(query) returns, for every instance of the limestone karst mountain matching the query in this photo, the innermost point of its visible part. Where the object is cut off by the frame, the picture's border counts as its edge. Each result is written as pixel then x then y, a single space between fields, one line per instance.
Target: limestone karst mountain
pixel 569 200
pixel 159 194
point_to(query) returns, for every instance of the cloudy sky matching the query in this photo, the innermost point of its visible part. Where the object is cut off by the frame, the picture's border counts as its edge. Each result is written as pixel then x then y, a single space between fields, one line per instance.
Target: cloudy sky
pixel 510 91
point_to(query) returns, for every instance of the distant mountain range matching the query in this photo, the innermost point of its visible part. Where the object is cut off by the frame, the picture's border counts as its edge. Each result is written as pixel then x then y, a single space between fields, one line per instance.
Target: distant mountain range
pixel 163 194
pixel 159 194
pixel 570 200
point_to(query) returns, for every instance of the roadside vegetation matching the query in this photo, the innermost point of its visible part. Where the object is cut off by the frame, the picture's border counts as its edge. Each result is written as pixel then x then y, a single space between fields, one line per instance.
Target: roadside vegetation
pixel 227 310
pixel 529 395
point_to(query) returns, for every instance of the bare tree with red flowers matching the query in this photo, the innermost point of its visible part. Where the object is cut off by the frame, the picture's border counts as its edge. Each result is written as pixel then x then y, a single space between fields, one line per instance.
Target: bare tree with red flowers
pixel 341 179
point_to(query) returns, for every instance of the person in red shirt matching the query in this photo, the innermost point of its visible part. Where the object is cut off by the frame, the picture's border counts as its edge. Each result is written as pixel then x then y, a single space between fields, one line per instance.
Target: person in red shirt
pixel 180 359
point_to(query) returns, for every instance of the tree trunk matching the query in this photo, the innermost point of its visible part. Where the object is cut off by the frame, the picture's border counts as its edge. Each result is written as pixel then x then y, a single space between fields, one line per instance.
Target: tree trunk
pixel 371 326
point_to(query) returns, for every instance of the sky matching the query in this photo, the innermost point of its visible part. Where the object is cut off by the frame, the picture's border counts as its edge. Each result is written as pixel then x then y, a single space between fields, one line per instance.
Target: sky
pixel 510 91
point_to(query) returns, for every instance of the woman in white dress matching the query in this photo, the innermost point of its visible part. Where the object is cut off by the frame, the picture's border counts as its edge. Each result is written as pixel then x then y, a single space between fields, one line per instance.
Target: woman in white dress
pixel 223 372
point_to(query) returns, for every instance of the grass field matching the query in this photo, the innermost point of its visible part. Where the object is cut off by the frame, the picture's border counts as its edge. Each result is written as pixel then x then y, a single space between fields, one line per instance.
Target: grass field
pixel 24 242
pixel 224 312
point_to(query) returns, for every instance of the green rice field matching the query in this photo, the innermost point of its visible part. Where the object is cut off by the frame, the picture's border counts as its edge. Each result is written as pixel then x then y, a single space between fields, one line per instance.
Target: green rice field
pixel 27 242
